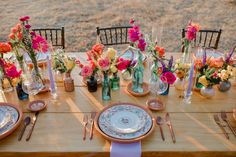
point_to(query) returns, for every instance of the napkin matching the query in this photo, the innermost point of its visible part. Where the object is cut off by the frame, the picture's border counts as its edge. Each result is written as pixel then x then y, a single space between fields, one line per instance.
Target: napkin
pixel 125 150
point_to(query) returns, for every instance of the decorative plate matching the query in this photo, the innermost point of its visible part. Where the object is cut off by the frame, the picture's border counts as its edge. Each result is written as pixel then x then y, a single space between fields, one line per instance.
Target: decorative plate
pixel 124 122
pixel 146 90
pixel 128 54
pixel 234 113
pixel 10 120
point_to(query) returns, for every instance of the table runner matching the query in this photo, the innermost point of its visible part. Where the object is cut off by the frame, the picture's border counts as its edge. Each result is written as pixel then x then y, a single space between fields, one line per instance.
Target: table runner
pixel 125 149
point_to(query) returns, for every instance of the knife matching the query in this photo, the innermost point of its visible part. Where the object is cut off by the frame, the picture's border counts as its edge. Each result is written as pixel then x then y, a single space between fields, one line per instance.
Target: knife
pixel 224 118
pixel 217 120
pixel 34 119
pixel 168 122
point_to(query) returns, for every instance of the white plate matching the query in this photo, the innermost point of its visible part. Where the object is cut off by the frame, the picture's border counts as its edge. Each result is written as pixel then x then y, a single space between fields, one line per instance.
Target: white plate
pixel 125 121
pixel 10 112
pixel 5 118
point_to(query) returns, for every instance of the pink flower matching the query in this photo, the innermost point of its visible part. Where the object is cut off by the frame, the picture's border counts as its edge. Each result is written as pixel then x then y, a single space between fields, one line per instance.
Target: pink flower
pixel 134 34
pixel 104 63
pixel 168 77
pixel 33 34
pixel 27 26
pixel 131 21
pixel 24 18
pixel 12 72
pixel 40 44
pixel 141 44
pixel 122 64
pixel 192 29
pixel 216 62
pixel 86 71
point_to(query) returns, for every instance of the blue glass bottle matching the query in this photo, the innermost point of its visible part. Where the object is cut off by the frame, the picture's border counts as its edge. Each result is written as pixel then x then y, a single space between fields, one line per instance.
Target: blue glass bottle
pixel 20 93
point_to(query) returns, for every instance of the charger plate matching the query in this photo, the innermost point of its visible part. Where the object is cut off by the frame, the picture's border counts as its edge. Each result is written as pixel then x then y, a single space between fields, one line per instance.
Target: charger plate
pixel 124 122
pixel 10 120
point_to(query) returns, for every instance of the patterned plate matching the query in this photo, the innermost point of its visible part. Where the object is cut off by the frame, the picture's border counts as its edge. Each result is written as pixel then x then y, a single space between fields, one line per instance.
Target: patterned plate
pixel 13 115
pixel 124 122
pixel 128 54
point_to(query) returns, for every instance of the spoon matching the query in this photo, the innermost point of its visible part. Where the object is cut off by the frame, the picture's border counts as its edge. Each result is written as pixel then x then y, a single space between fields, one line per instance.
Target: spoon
pixel 26 123
pixel 160 122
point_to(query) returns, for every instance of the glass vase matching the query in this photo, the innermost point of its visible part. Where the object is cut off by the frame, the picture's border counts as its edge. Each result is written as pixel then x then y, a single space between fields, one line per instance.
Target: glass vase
pixel 224 86
pixel 92 84
pixel 207 92
pixel 6 84
pixel 137 81
pixel 69 83
pixel 179 84
pixel 126 74
pixel 20 92
pixel 166 92
pixel 115 82
pixel 106 89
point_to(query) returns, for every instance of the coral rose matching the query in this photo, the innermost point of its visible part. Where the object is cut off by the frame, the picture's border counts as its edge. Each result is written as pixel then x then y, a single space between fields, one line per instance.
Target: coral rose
pixel 104 63
pixel 98 48
pixel 86 71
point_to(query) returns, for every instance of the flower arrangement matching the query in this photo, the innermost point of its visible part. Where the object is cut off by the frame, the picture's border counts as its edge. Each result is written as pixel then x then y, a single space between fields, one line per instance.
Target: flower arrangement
pixel 32 43
pixel 226 74
pixel 62 62
pixel 181 69
pixel 209 76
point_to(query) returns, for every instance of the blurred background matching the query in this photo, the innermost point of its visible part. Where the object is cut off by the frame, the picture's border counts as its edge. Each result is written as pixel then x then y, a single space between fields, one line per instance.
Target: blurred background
pixel 165 18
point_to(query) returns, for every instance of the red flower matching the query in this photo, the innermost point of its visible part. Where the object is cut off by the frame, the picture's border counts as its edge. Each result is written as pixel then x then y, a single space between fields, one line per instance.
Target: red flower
pixel 134 34
pixel 14 30
pixel 11 71
pixel 122 64
pixel 20 36
pixel 131 21
pixel 24 18
pixel 27 26
pixel 12 36
pixel 160 50
pixel 192 29
pixel 5 47
pixel 141 44
pixel 168 77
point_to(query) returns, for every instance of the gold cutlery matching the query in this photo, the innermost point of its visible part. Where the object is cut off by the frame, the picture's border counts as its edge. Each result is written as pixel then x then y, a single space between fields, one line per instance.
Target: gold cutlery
pixel 168 122
pixel 85 123
pixel 160 122
pixel 217 120
pixel 26 123
pixel 34 119
pixel 91 121
pixel 224 118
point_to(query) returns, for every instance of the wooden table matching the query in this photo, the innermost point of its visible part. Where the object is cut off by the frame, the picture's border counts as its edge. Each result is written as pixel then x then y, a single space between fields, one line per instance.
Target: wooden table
pixel 58 131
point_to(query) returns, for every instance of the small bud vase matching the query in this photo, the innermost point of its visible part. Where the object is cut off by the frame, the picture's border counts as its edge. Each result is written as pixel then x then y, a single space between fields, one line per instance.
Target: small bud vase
pixel 115 82
pixel 106 89
pixel 92 84
pixel 207 92
pixel 224 86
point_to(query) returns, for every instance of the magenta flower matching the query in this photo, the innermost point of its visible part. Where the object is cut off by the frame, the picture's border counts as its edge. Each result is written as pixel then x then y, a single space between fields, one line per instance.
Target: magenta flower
pixel 27 26
pixel 192 30
pixel 27 18
pixel 12 72
pixel 33 34
pixel 24 18
pixel 39 44
pixel 134 34
pixel 131 21
pixel 141 44
pixel 168 77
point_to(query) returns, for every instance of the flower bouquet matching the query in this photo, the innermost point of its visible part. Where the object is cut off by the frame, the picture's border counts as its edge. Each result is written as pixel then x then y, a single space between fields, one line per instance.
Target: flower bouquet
pixel 64 64
pixel 137 40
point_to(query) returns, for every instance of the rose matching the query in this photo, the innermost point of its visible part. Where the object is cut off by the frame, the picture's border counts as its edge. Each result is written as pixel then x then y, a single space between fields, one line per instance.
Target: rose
pixel 104 63
pixel 11 71
pixel 20 36
pixel 86 71
pixel 216 62
pixel 111 53
pixel 12 36
pixel 168 77
pixel 5 47
pixel 122 64
pixel 98 48
pixel 203 81
pixel 14 30
pixel 192 29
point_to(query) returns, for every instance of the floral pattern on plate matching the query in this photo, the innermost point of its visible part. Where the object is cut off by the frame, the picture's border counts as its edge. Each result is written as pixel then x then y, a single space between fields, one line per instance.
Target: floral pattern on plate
pixel 12 113
pixel 125 121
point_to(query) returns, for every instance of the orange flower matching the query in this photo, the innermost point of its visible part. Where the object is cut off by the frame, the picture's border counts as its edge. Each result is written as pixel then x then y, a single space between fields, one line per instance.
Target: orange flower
pixel 216 62
pixel 19 36
pixel 12 36
pixel 180 74
pixel 98 48
pixel 160 50
pixel 198 63
pixel 159 70
pixel 5 47
pixel 19 27
pixel 14 30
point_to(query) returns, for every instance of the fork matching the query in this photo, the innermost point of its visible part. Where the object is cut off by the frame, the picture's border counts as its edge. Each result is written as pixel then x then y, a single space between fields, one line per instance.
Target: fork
pixel 85 123
pixel 91 121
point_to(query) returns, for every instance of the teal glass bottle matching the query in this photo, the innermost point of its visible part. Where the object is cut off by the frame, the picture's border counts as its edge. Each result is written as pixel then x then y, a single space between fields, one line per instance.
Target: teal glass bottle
pixel 115 82
pixel 106 89
pixel 137 81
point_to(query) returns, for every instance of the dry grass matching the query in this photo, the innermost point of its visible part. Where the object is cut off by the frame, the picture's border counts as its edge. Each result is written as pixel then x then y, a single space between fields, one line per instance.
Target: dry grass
pixel 80 18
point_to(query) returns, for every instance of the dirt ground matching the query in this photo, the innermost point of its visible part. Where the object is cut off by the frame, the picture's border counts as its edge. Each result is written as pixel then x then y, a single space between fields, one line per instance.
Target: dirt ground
pixel 81 17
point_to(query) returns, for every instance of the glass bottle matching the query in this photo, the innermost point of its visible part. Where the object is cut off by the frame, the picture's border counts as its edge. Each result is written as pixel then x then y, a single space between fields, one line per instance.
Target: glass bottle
pixel 92 84
pixel 69 83
pixel 106 89
pixel 115 82
pixel 138 76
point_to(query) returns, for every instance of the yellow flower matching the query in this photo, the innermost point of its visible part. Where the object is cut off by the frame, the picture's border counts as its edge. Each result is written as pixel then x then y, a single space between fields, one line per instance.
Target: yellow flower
pixel 203 81
pixel 69 63
pixel 111 53
pixel 113 69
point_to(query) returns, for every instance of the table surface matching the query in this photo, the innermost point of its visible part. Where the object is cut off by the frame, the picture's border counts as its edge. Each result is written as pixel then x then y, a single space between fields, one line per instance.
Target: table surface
pixel 58 131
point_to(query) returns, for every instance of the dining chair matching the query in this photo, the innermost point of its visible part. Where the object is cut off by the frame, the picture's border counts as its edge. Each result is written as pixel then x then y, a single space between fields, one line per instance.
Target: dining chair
pixel 113 35
pixel 205 38
pixel 54 35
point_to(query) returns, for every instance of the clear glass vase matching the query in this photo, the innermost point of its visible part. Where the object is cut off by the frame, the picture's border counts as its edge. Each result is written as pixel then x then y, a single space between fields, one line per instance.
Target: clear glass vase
pixel 224 86
pixel 106 89
pixel 207 92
